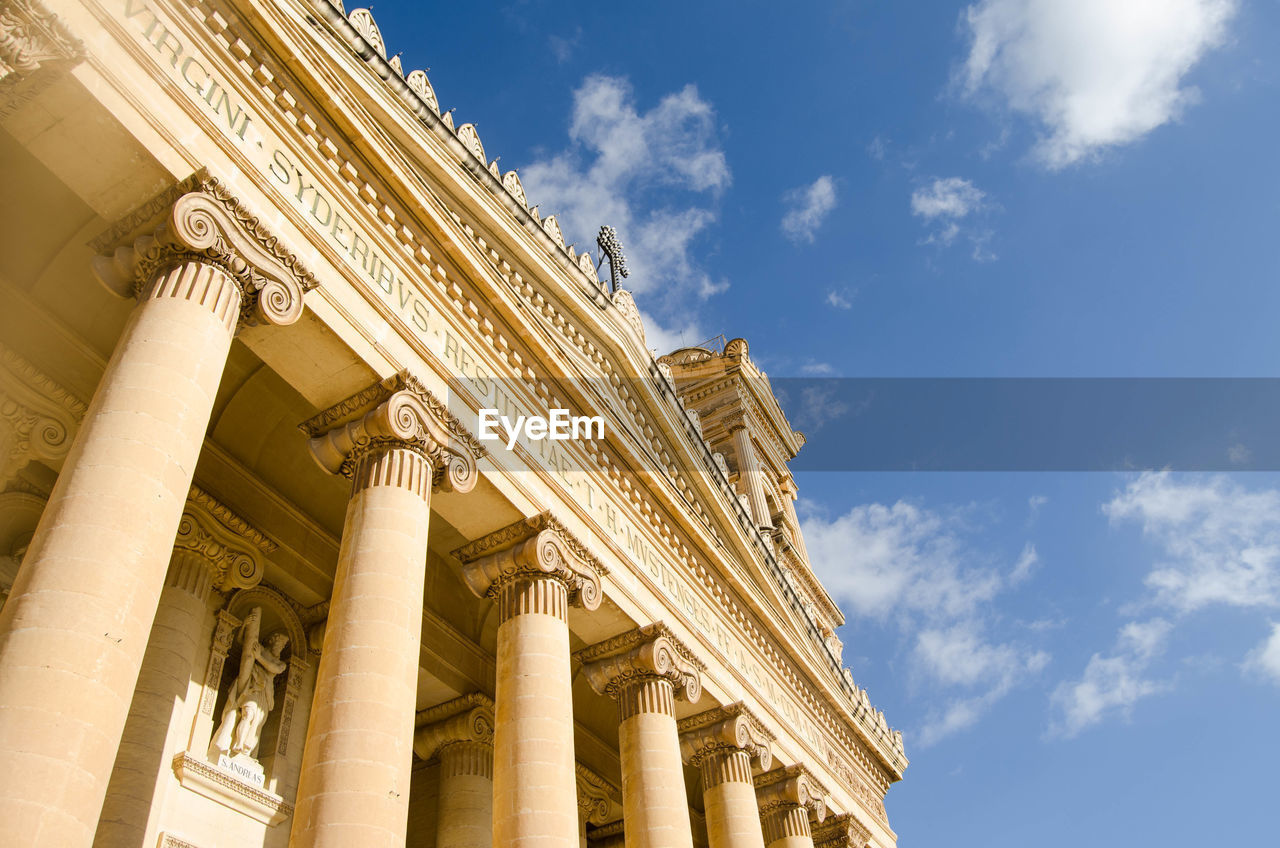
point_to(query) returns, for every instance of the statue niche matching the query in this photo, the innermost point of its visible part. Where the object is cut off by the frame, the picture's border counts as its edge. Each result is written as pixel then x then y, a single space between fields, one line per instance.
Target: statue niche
pixel 250 697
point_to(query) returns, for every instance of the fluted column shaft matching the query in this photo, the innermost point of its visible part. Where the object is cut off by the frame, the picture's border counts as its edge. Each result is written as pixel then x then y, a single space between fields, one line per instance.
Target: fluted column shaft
pixel 749 473
pixel 787 827
pixel 75 627
pixel 653 797
pixel 729 800
pixel 354 784
pixel 534 787
pixel 162 686
pixel 465 817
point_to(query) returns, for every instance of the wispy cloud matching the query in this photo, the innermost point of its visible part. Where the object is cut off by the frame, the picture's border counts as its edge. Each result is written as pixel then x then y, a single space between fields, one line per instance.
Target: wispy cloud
pixel 914 570
pixel 807 207
pixel 1219 547
pixel 655 176
pixel 842 299
pixel 948 205
pixel 1093 73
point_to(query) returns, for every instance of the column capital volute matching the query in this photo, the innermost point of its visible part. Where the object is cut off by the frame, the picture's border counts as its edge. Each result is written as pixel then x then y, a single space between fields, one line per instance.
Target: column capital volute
pixel 539 546
pixel 791 787
pixel 731 728
pixel 201 220
pixel 233 550
pixel 466 719
pixel 735 422
pixel 397 411
pixel 648 652
pixel 841 831
pixel 595 795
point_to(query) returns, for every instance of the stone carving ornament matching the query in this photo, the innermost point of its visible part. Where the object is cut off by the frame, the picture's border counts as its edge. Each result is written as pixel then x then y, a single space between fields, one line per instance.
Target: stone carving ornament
pixel 252 695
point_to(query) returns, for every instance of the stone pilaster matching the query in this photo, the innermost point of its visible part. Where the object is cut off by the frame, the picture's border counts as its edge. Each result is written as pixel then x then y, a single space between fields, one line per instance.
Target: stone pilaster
pixel 534 569
pixel 749 472
pixel 842 831
pixel 644 670
pixel 394 441
pixel 722 743
pixel 75 627
pixel 214 549
pixel 460 734
pixel 788 797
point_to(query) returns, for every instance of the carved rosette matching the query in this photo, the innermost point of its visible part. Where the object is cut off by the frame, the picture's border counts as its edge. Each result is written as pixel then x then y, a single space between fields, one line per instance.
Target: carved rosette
pixel 465 719
pixel 731 728
pixel 842 831
pixel 646 653
pixel 791 788
pixel 536 547
pixel 211 226
pixel 397 412
pixel 595 796
pixel 228 547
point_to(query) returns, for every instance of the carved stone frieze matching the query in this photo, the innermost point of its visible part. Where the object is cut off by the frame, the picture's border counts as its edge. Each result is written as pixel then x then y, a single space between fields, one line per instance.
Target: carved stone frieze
pixel 734 727
pixel 841 831
pixel 30 37
pixel 38 418
pixel 536 545
pixel 465 719
pixel 209 223
pixel 650 651
pixel 397 410
pixel 793 786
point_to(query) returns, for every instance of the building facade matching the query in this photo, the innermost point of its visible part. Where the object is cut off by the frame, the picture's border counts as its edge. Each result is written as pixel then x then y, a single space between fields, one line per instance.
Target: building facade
pixel 269 575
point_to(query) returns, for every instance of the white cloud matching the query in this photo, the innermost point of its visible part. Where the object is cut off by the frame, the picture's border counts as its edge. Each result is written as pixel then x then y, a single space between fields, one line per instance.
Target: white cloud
pixel 1265 659
pixel 1111 685
pixel 912 569
pixel 1094 73
pixel 948 204
pixel 817 369
pixel 1027 561
pixel 1221 542
pixel 807 207
pixel 950 198
pixel 840 299
pixel 654 176
pixel 665 339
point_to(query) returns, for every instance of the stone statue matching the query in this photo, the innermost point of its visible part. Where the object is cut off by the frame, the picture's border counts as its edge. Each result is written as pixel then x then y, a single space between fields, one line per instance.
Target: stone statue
pixel 252 694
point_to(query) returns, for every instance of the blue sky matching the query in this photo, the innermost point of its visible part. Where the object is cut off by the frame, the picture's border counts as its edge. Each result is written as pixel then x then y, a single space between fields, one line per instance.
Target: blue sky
pixel 1001 188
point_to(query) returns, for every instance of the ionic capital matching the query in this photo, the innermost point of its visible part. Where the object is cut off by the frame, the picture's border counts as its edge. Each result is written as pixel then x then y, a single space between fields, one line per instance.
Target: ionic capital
pixel 465 719
pixel 535 547
pixel 842 831
pixel 38 418
pixel 205 223
pixel 396 412
pixel 735 422
pixel 731 728
pixel 790 788
pixel 595 795
pixel 224 543
pixel 648 652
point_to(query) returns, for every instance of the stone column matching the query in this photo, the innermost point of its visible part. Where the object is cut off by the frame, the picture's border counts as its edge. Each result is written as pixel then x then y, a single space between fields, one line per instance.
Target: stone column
pixel 842 831
pixel 749 471
pixel 787 798
pixel 534 569
pixel 723 742
pixel 644 670
pixel 393 440
pixel 75 627
pixel 214 548
pixel 460 734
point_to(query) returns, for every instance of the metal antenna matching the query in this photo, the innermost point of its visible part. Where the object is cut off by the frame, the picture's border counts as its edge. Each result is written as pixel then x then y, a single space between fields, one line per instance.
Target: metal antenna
pixel 611 249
